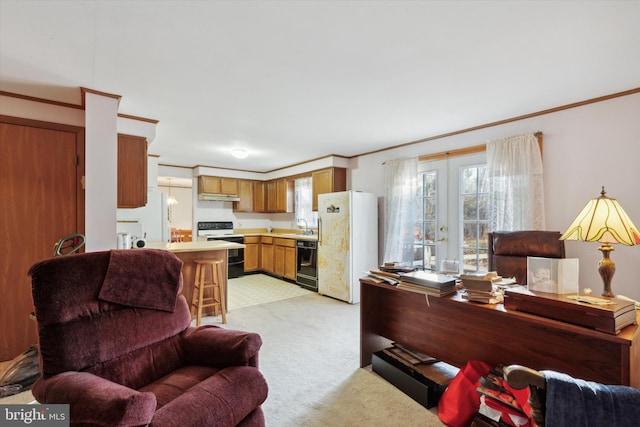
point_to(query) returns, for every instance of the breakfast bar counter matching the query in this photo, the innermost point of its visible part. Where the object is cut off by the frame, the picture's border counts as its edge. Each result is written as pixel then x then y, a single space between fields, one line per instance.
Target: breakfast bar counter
pixel 187 252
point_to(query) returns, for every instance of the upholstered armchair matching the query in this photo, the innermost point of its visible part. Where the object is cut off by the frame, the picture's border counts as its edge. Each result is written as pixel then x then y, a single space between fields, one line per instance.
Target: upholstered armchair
pixel 508 251
pixel 116 345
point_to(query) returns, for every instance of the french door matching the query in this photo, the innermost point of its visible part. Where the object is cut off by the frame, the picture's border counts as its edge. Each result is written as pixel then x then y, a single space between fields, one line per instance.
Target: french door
pixel 453 215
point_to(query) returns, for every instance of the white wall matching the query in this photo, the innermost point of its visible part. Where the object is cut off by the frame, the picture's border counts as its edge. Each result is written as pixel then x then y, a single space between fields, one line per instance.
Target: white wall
pixel 584 148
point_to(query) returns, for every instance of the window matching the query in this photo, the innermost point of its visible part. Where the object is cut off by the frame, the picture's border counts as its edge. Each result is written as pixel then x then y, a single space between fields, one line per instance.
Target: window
pixel 303 203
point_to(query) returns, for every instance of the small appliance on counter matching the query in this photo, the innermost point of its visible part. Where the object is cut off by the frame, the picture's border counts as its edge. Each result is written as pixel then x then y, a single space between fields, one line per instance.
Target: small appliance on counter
pixel 124 241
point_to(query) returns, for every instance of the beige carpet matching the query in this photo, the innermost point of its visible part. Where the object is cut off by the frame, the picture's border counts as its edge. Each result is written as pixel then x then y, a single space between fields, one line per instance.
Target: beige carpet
pixel 310 358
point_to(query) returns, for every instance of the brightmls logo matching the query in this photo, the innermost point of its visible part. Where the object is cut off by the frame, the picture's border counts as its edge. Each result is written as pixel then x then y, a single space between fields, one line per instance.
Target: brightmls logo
pixel 35 415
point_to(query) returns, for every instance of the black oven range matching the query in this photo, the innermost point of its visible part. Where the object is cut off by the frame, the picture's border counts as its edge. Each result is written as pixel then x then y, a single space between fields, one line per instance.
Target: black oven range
pixel 223 230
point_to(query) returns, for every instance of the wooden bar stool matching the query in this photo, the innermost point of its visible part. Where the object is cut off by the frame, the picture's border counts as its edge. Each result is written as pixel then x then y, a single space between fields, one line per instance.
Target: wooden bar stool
pixel 216 300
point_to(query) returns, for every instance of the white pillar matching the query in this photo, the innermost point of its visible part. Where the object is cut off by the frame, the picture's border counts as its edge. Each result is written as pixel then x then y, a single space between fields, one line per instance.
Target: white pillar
pixel 101 171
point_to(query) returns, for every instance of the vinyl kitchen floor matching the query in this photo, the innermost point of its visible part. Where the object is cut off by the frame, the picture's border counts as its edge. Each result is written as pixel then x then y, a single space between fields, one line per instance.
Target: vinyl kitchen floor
pixel 255 289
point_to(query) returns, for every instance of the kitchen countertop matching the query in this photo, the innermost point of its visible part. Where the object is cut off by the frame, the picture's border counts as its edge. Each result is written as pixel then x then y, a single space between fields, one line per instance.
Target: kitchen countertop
pixel 296 236
pixel 213 245
pixel 291 236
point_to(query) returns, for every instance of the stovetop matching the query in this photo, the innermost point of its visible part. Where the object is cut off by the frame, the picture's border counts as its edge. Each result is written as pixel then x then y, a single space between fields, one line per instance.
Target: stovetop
pixel 216 229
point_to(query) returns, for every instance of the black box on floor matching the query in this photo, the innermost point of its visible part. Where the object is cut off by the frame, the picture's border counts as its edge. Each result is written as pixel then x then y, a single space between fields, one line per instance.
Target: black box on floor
pixel 424 383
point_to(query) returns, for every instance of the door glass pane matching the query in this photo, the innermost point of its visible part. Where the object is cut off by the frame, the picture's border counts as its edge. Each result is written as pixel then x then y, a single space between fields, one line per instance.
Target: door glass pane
pixel 475 217
pixel 425 235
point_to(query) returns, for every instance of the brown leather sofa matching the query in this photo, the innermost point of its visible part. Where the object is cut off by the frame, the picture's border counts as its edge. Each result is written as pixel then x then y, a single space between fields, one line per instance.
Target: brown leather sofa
pixel 508 251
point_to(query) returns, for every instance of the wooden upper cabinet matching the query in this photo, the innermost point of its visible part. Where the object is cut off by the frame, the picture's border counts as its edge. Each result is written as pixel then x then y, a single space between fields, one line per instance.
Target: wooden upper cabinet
pixel 132 171
pixel 217 185
pixel 259 196
pixel 272 196
pixel 245 192
pixel 327 180
pixel 284 195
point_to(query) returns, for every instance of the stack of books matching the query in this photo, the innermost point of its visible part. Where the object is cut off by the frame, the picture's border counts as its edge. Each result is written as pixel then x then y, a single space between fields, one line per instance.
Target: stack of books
pixel 482 287
pixel 379 276
pixel 433 284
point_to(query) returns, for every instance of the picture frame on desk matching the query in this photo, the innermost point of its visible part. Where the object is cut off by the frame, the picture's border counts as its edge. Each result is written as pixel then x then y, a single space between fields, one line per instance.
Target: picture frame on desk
pixel 553 275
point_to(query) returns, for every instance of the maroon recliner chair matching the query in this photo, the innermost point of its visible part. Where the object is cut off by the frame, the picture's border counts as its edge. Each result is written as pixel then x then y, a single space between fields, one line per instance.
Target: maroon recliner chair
pixel 116 345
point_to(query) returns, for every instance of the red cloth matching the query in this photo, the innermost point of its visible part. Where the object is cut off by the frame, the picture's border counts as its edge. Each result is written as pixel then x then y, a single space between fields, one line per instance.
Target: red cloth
pixel 460 401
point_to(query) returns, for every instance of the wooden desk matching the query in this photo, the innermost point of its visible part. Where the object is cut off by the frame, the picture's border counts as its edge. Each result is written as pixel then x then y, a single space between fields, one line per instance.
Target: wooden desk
pixel 454 331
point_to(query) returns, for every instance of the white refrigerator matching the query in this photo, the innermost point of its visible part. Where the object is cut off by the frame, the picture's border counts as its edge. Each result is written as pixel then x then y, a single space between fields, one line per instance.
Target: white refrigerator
pixel 347 242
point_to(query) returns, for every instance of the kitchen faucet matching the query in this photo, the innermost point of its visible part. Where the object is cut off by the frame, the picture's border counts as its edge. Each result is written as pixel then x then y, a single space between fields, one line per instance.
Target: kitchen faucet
pixel 306 226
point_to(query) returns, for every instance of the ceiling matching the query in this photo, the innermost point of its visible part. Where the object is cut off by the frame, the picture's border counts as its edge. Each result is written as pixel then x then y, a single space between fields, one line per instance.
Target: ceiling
pixel 292 81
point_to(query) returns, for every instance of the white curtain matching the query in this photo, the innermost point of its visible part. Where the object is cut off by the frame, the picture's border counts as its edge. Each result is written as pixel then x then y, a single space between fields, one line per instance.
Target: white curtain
pixel 514 167
pixel 400 178
pixel 303 203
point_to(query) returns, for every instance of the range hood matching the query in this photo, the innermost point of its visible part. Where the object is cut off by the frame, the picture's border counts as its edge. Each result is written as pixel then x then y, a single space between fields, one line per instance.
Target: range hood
pixel 219 197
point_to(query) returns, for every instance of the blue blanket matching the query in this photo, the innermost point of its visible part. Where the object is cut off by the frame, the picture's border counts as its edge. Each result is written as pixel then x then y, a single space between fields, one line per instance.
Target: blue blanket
pixel 574 402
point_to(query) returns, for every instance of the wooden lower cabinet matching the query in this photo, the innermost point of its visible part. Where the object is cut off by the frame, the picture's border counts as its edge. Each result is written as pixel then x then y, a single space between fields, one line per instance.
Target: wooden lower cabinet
pixel 266 255
pixel 290 263
pixel 277 256
pixel 251 253
pixel 285 258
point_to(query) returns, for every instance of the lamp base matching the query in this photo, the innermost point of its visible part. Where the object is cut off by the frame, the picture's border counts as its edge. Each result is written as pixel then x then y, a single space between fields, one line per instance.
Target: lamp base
pixel 606 268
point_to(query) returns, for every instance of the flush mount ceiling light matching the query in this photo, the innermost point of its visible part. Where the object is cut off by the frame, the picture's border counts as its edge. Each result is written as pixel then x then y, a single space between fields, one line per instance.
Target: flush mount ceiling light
pixel 239 153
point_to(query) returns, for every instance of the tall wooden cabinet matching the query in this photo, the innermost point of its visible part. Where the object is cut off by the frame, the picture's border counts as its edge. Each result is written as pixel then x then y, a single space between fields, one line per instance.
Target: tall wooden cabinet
pixel 132 171
pixel 327 180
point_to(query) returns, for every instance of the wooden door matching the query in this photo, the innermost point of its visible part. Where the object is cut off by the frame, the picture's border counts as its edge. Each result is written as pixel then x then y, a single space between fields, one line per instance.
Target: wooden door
pixel 40 171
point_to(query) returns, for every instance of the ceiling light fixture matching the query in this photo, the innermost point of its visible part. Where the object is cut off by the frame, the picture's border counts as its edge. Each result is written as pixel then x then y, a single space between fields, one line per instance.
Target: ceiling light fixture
pixel 239 153
pixel 170 199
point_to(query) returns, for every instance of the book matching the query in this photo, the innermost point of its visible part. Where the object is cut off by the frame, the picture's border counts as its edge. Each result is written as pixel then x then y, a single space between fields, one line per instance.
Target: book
pixel 436 292
pixel 432 280
pixel 383 277
pixel 485 281
pixel 493 296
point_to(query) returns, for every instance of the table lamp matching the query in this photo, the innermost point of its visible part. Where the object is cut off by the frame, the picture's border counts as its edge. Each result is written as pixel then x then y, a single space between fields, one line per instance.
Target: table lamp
pixel 603 220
